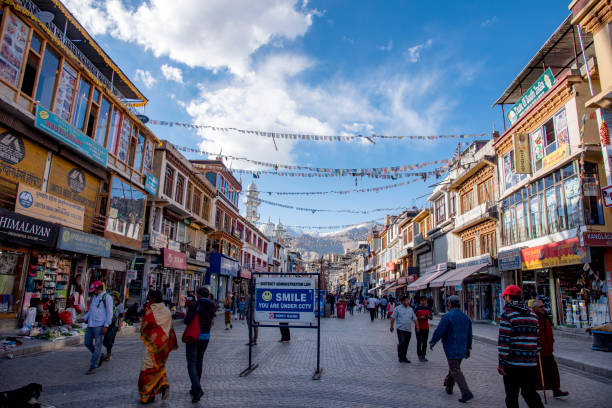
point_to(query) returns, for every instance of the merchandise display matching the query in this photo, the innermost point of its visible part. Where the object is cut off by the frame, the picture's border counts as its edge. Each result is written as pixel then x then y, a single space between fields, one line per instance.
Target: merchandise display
pixel 49 277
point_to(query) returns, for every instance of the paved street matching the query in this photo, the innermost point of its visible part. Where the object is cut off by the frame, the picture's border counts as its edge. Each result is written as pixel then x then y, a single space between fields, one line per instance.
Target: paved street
pixel 358 357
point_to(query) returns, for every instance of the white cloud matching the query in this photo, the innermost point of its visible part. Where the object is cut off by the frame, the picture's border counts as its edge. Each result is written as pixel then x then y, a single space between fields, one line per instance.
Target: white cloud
pixel 214 34
pixel 489 21
pixel 414 53
pixel 172 73
pixel 145 77
pixel 387 47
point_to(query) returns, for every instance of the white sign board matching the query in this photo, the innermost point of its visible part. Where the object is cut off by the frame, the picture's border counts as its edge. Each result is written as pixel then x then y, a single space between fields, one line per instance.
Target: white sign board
pixel 285 300
pixel 606 193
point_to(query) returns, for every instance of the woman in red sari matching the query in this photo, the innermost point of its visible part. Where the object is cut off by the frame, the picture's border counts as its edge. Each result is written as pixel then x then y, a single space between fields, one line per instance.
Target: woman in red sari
pixel 159 339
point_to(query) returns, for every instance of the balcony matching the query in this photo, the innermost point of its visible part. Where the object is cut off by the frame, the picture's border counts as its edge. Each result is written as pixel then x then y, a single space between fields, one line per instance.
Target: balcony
pixel 476 215
pixel 418 239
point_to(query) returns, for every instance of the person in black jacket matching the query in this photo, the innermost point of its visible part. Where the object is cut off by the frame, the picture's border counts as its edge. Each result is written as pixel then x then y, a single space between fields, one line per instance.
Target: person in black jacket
pixel 204 309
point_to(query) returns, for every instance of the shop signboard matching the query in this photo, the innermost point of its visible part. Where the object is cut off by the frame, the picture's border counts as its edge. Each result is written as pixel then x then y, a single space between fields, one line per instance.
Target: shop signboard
pixel 174 259
pixel 285 300
pixel 21 160
pixel 606 193
pixel 476 260
pixel 158 240
pixel 245 273
pixel 535 92
pixel 73 183
pixel 522 161
pixel 555 157
pixel 151 183
pixel 223 265
pixel 48 207
pixel 131 274
pixel 21 229
pixel 200 256
pixel 389 266
pixel 509 260
pixel 436 268
pixel 568 252
pixel 83 243
pixel 55 126
pixel 597 239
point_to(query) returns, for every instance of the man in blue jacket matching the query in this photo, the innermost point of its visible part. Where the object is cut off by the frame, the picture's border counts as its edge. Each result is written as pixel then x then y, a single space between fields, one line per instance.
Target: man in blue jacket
pixel 455 330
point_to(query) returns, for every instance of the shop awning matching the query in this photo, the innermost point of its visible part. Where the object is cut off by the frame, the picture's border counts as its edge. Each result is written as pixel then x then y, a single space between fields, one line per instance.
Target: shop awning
pixel 375 289
pixel 456 277
pixel 393 286
pixel 423 281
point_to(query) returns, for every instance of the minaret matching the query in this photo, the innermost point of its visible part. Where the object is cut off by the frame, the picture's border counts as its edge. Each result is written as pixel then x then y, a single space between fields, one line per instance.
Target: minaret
pixel 251 203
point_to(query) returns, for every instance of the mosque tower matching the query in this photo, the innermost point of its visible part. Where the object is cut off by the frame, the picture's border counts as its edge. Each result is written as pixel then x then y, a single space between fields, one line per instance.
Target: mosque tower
pixel 251 202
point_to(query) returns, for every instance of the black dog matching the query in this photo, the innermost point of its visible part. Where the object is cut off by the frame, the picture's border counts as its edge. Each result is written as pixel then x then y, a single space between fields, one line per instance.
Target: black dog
pixel 24 397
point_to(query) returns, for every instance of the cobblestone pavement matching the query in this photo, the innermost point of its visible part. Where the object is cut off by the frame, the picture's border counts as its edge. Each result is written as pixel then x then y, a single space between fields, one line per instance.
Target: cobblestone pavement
pixel 358 357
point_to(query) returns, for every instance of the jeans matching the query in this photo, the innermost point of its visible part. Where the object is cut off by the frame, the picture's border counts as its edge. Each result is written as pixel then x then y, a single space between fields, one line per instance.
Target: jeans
pixel 372 314
pixel 455 375
pixel 93 342
pixel 109 338
pixel 383 311
pixel 422 336
pixel 523 379
pixel 351 309
pixel 285 333
pixel 195 356
pixel 403 338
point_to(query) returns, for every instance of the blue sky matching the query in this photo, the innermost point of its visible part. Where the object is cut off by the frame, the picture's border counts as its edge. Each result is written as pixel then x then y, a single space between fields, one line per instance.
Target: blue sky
pixel 323 67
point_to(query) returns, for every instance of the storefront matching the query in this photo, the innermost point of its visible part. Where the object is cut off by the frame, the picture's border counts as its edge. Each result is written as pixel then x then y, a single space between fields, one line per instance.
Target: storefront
pixel 175 265
pixel 422 287
pixel 20 237
pixel 560 274
pixel 222 269
pixel 600 305
pixel 509 265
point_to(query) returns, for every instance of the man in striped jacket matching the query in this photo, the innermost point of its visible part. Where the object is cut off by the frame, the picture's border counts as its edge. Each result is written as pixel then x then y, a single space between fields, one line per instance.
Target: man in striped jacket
pixel 519 345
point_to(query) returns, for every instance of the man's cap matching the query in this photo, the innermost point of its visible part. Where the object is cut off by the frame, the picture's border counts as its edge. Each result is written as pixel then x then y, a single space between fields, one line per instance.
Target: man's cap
pixel 95 285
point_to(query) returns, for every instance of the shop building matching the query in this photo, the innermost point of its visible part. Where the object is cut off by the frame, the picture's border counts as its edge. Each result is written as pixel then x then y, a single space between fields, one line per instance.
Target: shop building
pixel 67 146
pixel 551 171
pixel 179 219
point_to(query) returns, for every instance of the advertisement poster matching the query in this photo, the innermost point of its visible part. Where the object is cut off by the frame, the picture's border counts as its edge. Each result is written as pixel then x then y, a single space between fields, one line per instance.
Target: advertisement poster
pixel 65 92
pixel 522 161
pixel 44 206
pixel 73 183
pixel 285 300
pixel 21 160
pixel 13 48
pixel 568 252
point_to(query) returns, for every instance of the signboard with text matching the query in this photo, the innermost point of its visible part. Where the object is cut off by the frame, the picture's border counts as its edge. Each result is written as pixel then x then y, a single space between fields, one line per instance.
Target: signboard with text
pixel 522 160
pixel 568 252
pixel 174 259
pixel 21 229
pixel 606 193
pixel 83 243
pixel 555 157
pixel 285 300
pixel 31 201
pixel 535 92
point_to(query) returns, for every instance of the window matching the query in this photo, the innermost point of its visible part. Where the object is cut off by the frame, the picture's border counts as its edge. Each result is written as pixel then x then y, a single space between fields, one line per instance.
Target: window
pixel 537 149
pixel 65 92
pixel 488 244
pixel 405 237
pixel 139 152
pixel 551 211
pixel 205 212
pixel 189 197
pixel 521 222
pixel 265 247
pixel 593 211
pixel 124 141
pixel 113 135
pixel 147 162
pixel 452 204
pixel 102 124
pixel 169 181
pixel 169 227
pixel 469 248
pixel 534 221
pixel 485 192
pixel 29 74
pixel 47 77
pixel 510 177
pixel 440 210
pixel 180 187
pixel 14 41
pixel 548 138
pixel 80 107
pixel 126 209
pixel 467 201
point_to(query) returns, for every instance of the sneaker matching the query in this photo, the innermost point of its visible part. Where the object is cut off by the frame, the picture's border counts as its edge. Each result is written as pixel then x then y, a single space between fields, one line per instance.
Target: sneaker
pixel 466 397
pixel 102 360
pixel 90 371
pixel 559 393
pixel 197 396
pixel 424 360
pixel 404 360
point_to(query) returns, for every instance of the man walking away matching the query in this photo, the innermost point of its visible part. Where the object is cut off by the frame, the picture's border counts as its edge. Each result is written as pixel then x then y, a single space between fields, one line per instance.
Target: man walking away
pixel 204 309
pixel 549 367
pixel 351 304
pixel 372 305
pixel 98 318
pixel 455 330
pixel 383 307
pixel 405 318
pixel 424 315
pixel 331 299
pixel 519 345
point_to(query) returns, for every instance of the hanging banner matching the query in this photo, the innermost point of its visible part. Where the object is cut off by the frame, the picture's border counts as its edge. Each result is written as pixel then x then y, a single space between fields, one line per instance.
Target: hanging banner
pixel 535 92
pixel 48 207
pixel 285 300
pixel 522 160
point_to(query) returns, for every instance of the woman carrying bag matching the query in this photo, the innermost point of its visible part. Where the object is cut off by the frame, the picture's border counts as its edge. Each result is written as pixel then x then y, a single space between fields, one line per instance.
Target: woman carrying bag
pixel 199 319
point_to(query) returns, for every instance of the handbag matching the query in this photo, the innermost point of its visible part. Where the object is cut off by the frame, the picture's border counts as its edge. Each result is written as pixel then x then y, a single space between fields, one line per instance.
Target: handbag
pixel 192 332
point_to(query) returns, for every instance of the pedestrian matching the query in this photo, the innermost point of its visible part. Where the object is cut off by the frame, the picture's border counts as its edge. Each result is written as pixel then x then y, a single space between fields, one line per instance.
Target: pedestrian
pixel 405 318
pixel 98 319
pixel 455 331
pixel 241 307
pixel 549 368
pixel 372 304
pixel 204 309
pixel 227 309
pixel 383 307
pixel 235 306
pixel 115 326
pixel 168 294
pixel 351 304
pixel 159 338
pixel 189 298
pixel 519 345
pixel 331 300
pixel 285 333
pixel 250 316
pixel 390 308
pixel 424 315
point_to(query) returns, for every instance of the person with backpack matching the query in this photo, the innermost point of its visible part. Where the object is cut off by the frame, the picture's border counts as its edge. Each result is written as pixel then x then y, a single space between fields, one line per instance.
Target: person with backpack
pixel 383 307
pixel 115 326
pixel 204 309
pixel 98 319
pixel 351 304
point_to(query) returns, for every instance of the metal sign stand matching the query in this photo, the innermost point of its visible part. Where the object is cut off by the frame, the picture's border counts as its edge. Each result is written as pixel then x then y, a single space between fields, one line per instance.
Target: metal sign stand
pixel 252 324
